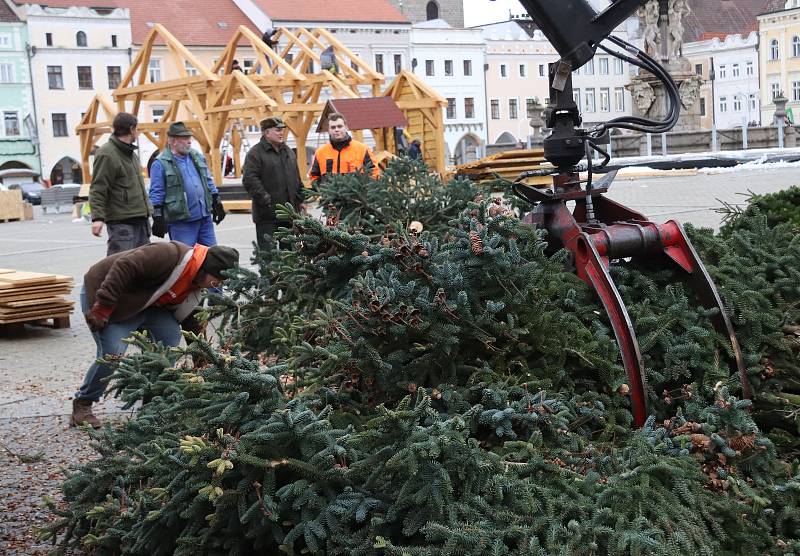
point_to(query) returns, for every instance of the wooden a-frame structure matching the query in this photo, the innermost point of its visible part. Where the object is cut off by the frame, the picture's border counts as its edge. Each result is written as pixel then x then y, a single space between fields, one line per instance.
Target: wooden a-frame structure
pixel 287 80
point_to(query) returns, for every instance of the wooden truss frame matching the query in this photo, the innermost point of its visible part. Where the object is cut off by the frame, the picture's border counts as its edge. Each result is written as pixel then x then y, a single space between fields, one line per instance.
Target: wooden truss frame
pixel 286 81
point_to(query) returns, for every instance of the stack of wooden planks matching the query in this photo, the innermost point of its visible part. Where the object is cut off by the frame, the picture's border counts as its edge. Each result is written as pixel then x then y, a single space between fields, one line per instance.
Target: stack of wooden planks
pixel 508 165
pixel 34 297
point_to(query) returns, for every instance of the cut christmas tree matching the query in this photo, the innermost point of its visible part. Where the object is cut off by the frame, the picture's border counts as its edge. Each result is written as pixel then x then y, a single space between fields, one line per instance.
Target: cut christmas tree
pixel 454 391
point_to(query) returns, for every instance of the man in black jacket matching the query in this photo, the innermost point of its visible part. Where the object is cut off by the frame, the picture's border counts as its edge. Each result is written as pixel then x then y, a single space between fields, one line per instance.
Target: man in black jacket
pixel 271 177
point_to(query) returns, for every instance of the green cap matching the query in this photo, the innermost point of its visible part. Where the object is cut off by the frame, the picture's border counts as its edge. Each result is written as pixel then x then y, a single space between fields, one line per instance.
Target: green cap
pixel 274 121
pixel 178 129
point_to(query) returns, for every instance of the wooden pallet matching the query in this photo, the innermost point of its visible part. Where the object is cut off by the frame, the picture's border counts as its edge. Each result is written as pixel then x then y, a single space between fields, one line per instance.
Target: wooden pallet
pixel 508 165
pixel 53 321
pixel 238 206
pixel 34 298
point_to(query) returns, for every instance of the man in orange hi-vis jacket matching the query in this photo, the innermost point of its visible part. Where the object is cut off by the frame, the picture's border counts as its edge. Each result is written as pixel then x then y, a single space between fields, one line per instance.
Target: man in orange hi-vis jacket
pixel 342 155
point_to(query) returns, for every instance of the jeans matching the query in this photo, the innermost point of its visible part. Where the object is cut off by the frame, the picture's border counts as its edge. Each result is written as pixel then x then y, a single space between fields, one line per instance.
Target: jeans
pixel 198 231
pixel 127 235
pixel 159 323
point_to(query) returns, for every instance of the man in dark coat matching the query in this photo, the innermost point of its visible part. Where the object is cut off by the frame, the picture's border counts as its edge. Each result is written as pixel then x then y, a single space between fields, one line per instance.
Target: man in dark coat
pixel 155 288
pixel 271 177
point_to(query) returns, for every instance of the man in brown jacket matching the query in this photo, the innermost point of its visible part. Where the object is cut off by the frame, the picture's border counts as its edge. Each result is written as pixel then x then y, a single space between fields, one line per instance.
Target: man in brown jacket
pixel 154 287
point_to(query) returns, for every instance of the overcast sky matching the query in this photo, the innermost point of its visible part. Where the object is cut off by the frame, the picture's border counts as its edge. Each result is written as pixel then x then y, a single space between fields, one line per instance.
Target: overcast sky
pixel 478 12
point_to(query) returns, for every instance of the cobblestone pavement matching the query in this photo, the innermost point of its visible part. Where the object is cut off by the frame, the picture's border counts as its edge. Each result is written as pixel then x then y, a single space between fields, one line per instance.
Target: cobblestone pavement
pixel 41 368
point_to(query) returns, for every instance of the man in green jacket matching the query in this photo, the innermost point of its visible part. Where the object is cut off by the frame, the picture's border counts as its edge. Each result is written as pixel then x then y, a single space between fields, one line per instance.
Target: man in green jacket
pixel 117 194
pixel 271 177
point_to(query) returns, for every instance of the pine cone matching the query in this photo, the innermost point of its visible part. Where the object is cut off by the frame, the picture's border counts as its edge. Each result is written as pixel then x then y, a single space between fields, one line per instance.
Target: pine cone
pixel 476 244
pixel 742 442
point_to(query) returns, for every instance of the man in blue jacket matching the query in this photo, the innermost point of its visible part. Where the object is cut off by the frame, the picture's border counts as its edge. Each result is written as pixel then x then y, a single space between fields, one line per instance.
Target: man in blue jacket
pixel 184 198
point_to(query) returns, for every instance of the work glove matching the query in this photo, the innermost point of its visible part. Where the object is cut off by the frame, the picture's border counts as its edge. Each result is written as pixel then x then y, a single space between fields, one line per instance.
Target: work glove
pixel 217 210
pixel 98 315
pixel 159 221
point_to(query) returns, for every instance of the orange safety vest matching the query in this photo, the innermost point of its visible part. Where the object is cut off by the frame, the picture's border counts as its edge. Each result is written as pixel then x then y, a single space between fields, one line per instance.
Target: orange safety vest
pixel 183 286
pixel 348 160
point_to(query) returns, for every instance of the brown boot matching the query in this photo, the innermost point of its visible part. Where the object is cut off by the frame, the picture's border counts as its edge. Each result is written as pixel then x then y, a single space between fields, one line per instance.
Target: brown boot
pixel 82 415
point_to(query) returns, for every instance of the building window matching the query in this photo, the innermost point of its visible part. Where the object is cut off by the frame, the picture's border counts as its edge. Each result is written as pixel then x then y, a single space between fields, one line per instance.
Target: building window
pixel 723 104
pixel 6 73
pixel 619 99
pixel 530 107
pixel 753 102
pixel 495 109
pixel 48 39
pixel 723 72
pixel 60 125
pixel 154 70
pixel 5 41
pixel 619 66
pixel 796 47
pixel 432 10
pixel 55 80
pixel 503 70
pixel 114 76
pixel 11 120
pixel 795 90
pixel 576 97
pixel 702 107
pixel 467 68
pixel 289 58
pixel 448 68
pixel 542 70
pixel 603 65
pixel 429 71
pixel 190 69
pixel 84 77
pixel 605 100
pixel 379 63
pixel 451 109
pixel 158 113
pixel 398 63
pixel 469 107
pixel 523 70
pixel 775 90
pixel 698 69
pixel 248 65
pixel 513 112
pixel 590 103
pixel 588 69
pixel 735 70
pixel 80 38
pixel 749 69
pixel 774 52
pixel 737 104
pixel 113 41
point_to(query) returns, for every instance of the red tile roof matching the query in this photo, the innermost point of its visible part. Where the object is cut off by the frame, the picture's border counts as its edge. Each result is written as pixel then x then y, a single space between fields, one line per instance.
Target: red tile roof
pixel 180 17
pixel 328 11
pixel 719 18
pixel 7 15
pixel 364 113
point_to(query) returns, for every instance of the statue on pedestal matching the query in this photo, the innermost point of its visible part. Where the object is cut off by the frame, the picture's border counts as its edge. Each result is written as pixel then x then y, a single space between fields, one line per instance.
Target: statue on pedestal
pixel 652 32
pixel 677 10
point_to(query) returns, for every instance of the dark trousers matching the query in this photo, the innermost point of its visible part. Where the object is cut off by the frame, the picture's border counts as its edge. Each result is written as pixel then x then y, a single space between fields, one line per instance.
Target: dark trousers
pixel 127 235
